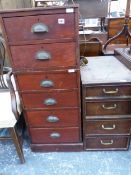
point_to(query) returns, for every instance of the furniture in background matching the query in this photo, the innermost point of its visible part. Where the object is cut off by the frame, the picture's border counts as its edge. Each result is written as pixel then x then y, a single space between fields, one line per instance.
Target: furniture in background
pixel 10 106
pixel 106 95
pixel 44 52
pixel 92 24
pixel 93 9
pixel 125 29
pixel 86 35
pixel 111 48
pixel 115 25
pixel 91 47
pixel 124 55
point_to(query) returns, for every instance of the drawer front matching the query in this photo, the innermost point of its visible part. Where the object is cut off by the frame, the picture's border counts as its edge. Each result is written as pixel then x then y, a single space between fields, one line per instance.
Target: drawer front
pixel 48 81
pixel 108 108
pixel 59 135
pixel 56 26
pixel 107 127
pixel 50 100
pixel 53 118
pixel 43 56
pixel 107 91
pixel 107 142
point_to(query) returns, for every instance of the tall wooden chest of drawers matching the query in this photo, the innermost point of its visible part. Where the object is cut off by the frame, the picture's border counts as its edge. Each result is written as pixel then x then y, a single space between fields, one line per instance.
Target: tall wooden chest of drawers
pixel 44 53
pixel 106 89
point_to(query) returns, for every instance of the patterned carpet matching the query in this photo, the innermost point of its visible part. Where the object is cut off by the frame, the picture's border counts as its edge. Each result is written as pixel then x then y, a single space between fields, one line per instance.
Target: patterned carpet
pixel 75 163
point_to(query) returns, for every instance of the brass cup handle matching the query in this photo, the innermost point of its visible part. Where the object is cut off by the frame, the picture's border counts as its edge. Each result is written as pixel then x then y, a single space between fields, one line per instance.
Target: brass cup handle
pixel 52 119
pixel 46 83
pixel 111 92
pixel 55 135
pixel 50 102
pixel 114 106
pixel 107 143
pixel 39 28
pixel 43 55
pixel 108 128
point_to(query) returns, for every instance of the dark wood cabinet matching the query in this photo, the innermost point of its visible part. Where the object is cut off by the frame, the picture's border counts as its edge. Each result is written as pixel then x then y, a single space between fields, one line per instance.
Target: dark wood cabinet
pixel 44 52
pixel 106 90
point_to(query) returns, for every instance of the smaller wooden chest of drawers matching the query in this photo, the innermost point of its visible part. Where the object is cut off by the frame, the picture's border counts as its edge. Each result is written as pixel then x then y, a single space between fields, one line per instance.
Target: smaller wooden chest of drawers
pixel 106 104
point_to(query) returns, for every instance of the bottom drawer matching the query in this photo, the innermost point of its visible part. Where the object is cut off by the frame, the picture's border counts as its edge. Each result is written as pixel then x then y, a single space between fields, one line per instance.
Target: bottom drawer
pixel 52 135
pixel 107 143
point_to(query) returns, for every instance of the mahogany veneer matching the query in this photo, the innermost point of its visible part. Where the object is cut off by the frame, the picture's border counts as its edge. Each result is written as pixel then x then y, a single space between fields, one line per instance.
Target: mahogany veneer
pixel 55 31
pixel 44 53
pixel 61 55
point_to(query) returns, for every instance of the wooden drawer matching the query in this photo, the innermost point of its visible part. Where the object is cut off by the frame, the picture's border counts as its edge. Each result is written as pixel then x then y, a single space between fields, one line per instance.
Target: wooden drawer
pixel 53 118
pixel 107 91
pixel 51 99
pixel 43 56
pixel 107 143
pixel 48 80
pixel 95 127
pixel 52 135
pixel 40 27
pixel 108 108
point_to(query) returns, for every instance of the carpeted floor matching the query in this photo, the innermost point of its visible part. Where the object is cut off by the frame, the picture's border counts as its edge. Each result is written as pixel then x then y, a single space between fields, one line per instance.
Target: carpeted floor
pixel 74 163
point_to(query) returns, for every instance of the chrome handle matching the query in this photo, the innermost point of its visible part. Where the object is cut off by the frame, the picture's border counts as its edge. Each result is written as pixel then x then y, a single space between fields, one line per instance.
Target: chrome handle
pixel 55 135
pixel 108 128
pixel 50 102
pixel 39 28
pixel 111 92
pixel 43 55
pixel 107 143
pixel 52 119
pixel 109 107
pixel 47 83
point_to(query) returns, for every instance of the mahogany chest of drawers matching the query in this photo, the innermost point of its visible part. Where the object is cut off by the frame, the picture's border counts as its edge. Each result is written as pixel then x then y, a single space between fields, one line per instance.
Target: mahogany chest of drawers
pixel 106 89
pixel 44 53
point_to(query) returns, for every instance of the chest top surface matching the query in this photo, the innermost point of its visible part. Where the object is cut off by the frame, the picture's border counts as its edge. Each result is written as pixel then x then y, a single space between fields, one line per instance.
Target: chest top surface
pixel 104 69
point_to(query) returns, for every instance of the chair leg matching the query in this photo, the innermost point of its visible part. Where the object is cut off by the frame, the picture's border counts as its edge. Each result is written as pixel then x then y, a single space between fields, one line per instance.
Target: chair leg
pixel 17 144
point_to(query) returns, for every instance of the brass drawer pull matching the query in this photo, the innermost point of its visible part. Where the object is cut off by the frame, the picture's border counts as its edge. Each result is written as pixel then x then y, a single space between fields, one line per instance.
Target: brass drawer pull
pixel 47 83
pixel 52 119
pixel 111 92
pixel 109 107
pixel 39 28
pixel 108 128
pixel 55 135
pixel 43 55
pixel 107 143
pixel 50 102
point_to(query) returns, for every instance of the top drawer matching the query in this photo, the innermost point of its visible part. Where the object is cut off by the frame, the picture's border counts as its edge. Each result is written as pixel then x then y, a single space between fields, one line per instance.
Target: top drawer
pixel 107 91
pixel 54 26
